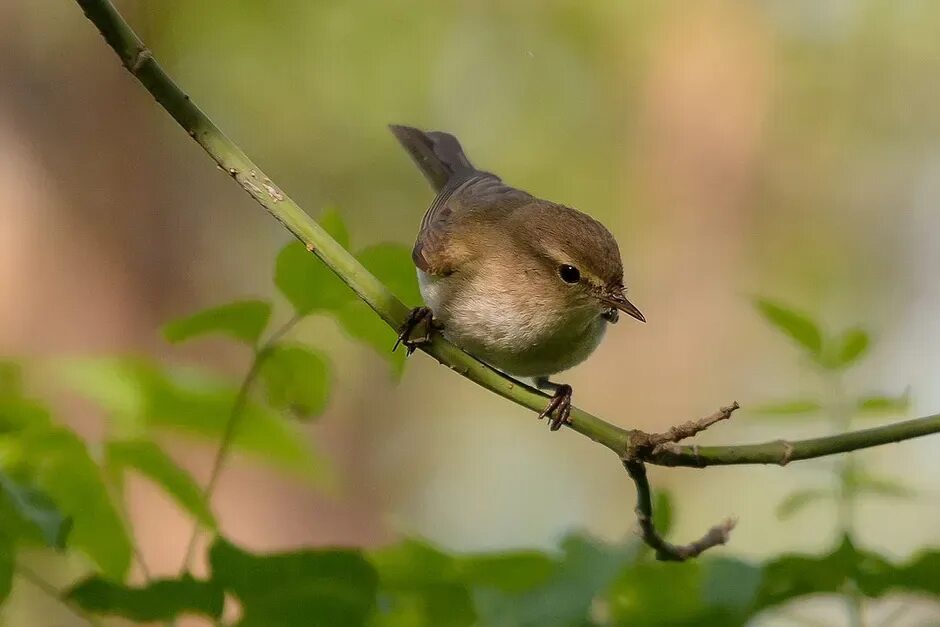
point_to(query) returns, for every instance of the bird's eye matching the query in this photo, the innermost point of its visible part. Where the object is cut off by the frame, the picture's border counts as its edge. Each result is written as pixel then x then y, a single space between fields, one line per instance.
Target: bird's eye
pixel 569 274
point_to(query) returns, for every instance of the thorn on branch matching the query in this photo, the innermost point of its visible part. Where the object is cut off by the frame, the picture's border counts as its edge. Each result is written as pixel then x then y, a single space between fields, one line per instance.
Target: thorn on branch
pixel 666 551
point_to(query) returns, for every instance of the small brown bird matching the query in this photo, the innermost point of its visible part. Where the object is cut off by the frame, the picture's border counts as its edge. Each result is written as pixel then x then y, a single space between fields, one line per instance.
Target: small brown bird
pixel 526 285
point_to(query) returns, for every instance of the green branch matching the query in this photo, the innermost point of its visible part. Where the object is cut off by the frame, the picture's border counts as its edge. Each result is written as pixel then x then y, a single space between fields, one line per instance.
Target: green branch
pixel 140 62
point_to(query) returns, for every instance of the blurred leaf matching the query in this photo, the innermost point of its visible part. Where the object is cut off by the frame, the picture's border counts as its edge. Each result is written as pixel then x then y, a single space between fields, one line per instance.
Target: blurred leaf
pixel 244 320
pixel 645 594
pixel 17 414
pixel 7 564
pixel 297 379
pixel 583 572
pixel 332 222
pixel 36 508
pixel 412 562
pixel 421 585
pixel 848 349
pixel 160 600
pixel 885 405
pixel 11 379
pixel 662 511
pixel 119 385
pixel 786 409
pixel 511 571
pixel 795 325
pixel 303 588
pixel 729 583
pixel 307 283
pixel 148 459
pixel 796 501
pixel 363 324
pixel 392 264
pixel 864 482
pixel 203 406
pixel 64 470
pixel 730 592
pixel 791 576
pixel 192 402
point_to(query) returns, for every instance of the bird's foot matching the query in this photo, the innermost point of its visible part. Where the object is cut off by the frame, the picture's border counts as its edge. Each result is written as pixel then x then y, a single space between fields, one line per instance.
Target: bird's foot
pixel 419 317
pixel 558 409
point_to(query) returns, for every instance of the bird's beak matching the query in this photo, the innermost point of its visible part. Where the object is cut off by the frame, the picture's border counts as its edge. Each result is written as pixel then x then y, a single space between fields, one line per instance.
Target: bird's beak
pixel 619 301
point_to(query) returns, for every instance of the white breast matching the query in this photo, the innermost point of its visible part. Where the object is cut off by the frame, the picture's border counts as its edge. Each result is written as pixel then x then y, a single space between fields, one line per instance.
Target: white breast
pixel 506 329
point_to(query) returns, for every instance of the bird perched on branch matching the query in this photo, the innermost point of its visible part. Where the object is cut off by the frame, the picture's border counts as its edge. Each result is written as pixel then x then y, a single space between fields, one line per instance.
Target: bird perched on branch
pixel 526 285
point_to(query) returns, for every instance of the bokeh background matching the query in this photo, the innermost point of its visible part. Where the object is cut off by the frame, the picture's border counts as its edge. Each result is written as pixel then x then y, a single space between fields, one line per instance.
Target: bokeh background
pixel 784 148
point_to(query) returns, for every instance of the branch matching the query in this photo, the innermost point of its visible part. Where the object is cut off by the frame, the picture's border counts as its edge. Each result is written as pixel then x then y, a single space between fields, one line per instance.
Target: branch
pixel 782 452
pixel 140 62
pixel 665 551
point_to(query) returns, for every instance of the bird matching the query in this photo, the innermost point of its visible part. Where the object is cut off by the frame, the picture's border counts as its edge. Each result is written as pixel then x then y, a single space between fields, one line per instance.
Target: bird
pixel 526 285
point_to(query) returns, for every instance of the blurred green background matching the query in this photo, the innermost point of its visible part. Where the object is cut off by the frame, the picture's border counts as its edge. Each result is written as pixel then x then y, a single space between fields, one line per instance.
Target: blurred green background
pixel 784 148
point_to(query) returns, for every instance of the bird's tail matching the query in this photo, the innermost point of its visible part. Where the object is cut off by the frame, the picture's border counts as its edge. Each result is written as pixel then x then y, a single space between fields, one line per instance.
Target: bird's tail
pixel 438 154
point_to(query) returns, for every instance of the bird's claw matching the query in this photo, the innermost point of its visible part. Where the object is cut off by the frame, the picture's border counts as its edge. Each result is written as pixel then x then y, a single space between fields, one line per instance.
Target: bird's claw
pixel 417 317
pixel 558 409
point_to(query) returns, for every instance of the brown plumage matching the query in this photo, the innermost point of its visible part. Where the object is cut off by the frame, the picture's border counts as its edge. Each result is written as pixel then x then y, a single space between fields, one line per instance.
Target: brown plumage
pixel 525 284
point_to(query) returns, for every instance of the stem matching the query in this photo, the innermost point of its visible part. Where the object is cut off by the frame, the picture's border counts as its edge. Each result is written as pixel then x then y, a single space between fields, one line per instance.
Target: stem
pixel 228 435
pixel 52 592
pixel 841 418
pixel 666 551
pixel 139 61
pixel 782 452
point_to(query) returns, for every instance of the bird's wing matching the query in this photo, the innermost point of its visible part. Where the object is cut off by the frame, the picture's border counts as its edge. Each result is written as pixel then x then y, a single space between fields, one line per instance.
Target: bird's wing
pixel 475 199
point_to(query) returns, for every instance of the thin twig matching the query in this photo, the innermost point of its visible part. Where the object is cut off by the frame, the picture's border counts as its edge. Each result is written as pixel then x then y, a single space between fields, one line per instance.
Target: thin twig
pixel 228 435
pixel 54 593
pixel 666 551
pixel 643 446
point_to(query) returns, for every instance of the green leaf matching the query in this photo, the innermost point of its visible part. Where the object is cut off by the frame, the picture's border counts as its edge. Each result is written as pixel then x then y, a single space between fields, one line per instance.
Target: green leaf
pixel 160 600
pixel 36 508
pixel 730 592
pixel 363 324
pixel 412 563
pixel 307 283
pixel 332 222
pixel 297 379
pixel 848 349
pixel 793 576
pixel 311 588
pixel 7 565
pixel 511 571
pixel 392 265
pixel 64 470
pixel 781 409
pixel 796 501
pixel 880 405
pixel 865 483
pixel 148 459
pixel 584 570
pixel 244 320
pixel 645 594
pixel 729 583
pixel 422 585
pixel 143 397
pixel 17 414
pixel 11 379
pixel 797 326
